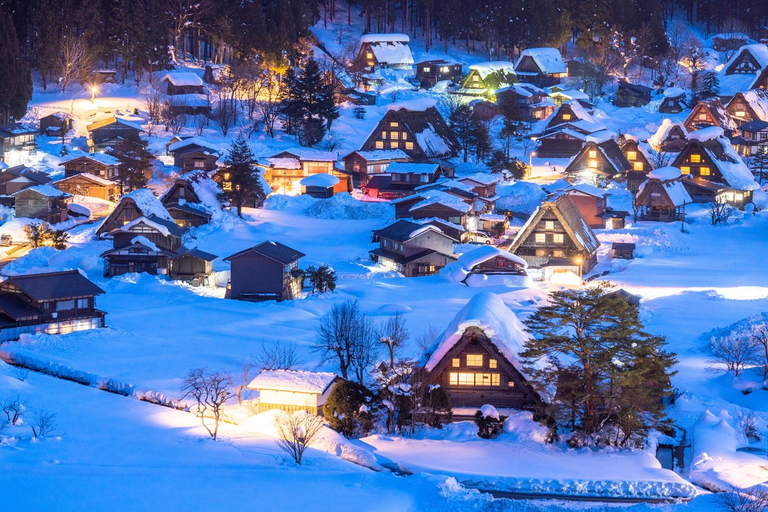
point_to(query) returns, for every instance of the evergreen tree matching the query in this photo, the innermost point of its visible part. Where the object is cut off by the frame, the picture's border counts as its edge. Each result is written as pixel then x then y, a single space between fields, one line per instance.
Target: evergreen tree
pixel 16 77
pixel 462 126
pixel 292 107
pixel 710 85
pixel 760 164
pixel 322 278
pixel 243 178
pixel 611 376
pixel 135 165
pixel 480 139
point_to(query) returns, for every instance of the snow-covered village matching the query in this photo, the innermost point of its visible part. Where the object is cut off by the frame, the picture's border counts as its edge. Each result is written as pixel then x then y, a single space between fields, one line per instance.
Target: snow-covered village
pixel 396 255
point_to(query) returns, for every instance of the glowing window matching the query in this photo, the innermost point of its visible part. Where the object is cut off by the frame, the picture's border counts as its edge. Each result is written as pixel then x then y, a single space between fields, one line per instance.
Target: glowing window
pixel 695 159
pixel 482 379
pixel 592 164
pixel 426 69
pixel 369 55
pixel 495 379
pixel 631 155
pixel 492 363
pixel 383 135
pixel 409 145
pixel 379 144
pixel 394 144
pixel 592 153
pixel 394 135
pixel 702 116
pixel 541 238
pixel 558 238
pixel 474 359
pixel 404 135
pixel 566 117
pixel 549 225
pixel 704 171
pixel 456 362
pixel 638 166
pixel 685 170
pixel 393 124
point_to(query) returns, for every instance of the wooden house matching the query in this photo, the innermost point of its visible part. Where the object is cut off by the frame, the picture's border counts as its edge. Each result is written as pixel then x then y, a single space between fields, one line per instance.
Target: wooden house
pixel 748 106
pixel 403 178
pixel 526 100
pixel 709 112
pixel 268 271
pixel 560 95
pixel 415 127
pixel 145 244
pixel 292 390
pixel 42 202
pixel 50 303
pixel 495 224
pixel 490 260
pixel 557 235
pixel 671 137
pixel 19 177
pixel 186 94
pixel 632 95
pixel 559 142
pixel 412 249
pixel 485 78
pixel 183 83
pixel 662 197
pixel 102 165
pixel 622 251
pixel 673 102
pixel 440 204
pixel 636 155
pixel 384 50
pixel 541 66
pixel 761 80
pixel 192 199
pixel 592 203
pixel 598 161
pixel 139 203
pixel 86 184
pixel 750 58
pixel 319 186
pixel 192 266
pixel 361 165
pixel 572 113
pixel 194 154
pixel 729 41
pixel 750 138
pixel 429 72
pixel 56 124
pixel 111 130
pixel 476 360
pixel 285 170
pixel 16 137
pixel 711 168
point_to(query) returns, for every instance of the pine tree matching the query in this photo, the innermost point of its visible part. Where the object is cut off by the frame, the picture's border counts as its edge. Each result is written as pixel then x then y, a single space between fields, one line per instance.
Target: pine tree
pixel 710 85
pixel 243 178
pixel 611 376
pixel 760 164
pixel 480 139
pixel 16 77
pixel 292 106
pixel 461 124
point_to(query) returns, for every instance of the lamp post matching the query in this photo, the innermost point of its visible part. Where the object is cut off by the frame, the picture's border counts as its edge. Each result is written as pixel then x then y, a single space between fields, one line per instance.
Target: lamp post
pixel 94 89
pixel 579 261
pixel 530 163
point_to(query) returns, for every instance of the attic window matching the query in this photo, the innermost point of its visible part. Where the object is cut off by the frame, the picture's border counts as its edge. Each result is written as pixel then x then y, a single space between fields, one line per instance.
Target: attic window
pixel 394 135
pixel 393 124
pixel 369 55
pixel 704 171
pixel 549 225
pixel 475 78
pixel 492 363
pixel 592 154
pixel 695 159
pixel 540 238
pixel 558 238
pixel 631 155
pixel 405 135
pixel 566 117
pixel 638 166
pixel 383 135
pixel 702 116
pixel 456 362
pixel 592 164
pixel 474 359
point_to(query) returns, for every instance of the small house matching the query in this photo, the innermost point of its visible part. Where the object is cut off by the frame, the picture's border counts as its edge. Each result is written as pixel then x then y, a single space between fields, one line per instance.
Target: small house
pixel 285 170
pixel 490 260
pixel 194 154
pixel 729 41
pixel 183 83
pixel 662 197
pixel 750 138
pixel 412 249
pixel 591 201
pixel 403 178
pixel 748 106
pixel 541 66
pixel 139 203
pixel 415 127
pixel 632 95
pixel 671 137
pixel 112 129
pixel 193 199
pixel 560 142
pixel 292 390
pixel 476 360
pixel 526 100
pixel 145 244
pixel 673 102
pixel 750 58
pixel 186 94
pixel 623 250
pixel 573 114
pixel 19 177
pixel 50 303
pixel 485 78
pixel 89 185
pixel 319 186
pixel 56 124
pixel 268 271
pixel 429 204
pixel 102 165
pixel 636 155
pixel 709 112
pixel 495 224
pixel 192 266
pixel 557 235
pixel 561 95
pixel 384 50
pixel 42 202
pixel 16 137
pixel 429 72
pixel 598 160
pixel 361 165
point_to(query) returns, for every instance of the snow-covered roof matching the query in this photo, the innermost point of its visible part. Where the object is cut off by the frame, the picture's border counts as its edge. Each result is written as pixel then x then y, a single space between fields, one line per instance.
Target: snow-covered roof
pixel 189 100
pixel 758 101
pixel 415 105
pixel 430 197
pixel 320 180
pixel 588 189
pixel 194 141
pixel 673 186
pixel 442 222
pixel 705 134
pixel 383 154
pixel 142 240
pixel 487 312
pixel 665 173
pixel 548 60
pixel 601 136
pixel 573 94
pixel 731 35
pixel 482 254
pixel 759 52
pixel 389 48
pixel 722 153
pixel 314 155
pixel 148 203
pixel 283 163
pixel 385 38
pixel 412 167
pixel 143 220
pixel 493 217
pixel 183 79
pixel 673 92
pixel 45 190
pixel 103 158
pixel 292 380
pixel 663 132
pixel 431 143
pixel 486 68
pixel 483 178
pixel 91 177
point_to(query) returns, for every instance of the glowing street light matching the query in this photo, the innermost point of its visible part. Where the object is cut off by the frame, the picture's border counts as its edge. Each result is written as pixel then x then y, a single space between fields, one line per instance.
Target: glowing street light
pixel 579 261
pixel 94 90
pixel 530 163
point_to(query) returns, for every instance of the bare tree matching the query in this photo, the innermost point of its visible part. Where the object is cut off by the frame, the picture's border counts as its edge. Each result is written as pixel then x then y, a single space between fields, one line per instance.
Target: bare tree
pixel 365 350
pixel 278 356
pixel 268 105
pixel 296 432
pixel 752 499
pixel 75 60
pixel 42 423
pixel 21 373
pixel 427 338
pixel 393 335
pixel 173 115
pixel 223 114
pixel 760 339
pixel 153 104
pixel 345 335
pixel 185 14
pixel 14 409
pixel 735 351
pixel 719 212
pixel 246 375
pixel 210 390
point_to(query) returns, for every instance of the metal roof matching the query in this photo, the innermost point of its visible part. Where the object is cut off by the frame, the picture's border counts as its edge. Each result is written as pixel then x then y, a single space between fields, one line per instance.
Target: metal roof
pixel 55 285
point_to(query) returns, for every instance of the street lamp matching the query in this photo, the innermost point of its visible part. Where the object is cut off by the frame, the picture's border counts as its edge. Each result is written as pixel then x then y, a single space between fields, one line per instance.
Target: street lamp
pixel 94 89
pixel 530 163
pixel 579 261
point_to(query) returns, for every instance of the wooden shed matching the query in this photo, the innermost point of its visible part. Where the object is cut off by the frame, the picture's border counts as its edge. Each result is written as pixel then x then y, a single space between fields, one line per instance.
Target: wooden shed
pixel 86 184
pixel 268 271
pixel 293 390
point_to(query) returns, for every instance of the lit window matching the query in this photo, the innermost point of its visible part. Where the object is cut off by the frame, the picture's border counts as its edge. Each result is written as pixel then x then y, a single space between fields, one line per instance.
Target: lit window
pixel 369 55
pixel 492 363
pixel 461 379
pixel 511 384
pixel 393 124
pixel 592 153
pixel 444 69
pixel 383 135
pixel 409 145
pixel 379 144
pixel 475 78
pixel 685 170
pixel 426 69
pixel 702 116
pixel 474 359
pixel 558 238
pixel 592 164
pixel 566 117
pixel 695 159
pixel 739 196
pixel 405 135
pixel 482 379
pixel 495 379
pixel 549 225
pixel 394 135
pixel 704 171
pixel 631 155
pixel 456 362
pixel 638 166
pixel 741 113
pixel 393 144
pixel 541 238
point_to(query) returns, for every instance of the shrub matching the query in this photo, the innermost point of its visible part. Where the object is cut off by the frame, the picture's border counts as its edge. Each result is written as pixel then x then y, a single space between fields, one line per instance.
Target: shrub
pixel 347 409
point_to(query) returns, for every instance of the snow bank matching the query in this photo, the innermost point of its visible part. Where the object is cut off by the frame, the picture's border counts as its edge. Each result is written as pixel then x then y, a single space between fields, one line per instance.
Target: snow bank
pixel 414 105
pixel 521 196
pixel 344 206
pixel 320 180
